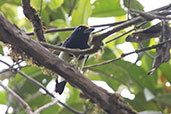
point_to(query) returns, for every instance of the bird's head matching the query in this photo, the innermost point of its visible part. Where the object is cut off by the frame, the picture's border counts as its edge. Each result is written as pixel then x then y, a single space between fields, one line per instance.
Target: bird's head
pixel 83 30
pixel 79 37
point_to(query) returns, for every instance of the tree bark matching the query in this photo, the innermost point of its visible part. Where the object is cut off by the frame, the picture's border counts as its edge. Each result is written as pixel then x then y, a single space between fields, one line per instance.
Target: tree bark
pixel 111 103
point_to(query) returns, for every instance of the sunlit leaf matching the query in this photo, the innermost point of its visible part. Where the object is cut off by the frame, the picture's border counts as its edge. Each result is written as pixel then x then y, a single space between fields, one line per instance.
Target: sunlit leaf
pixel 134 4
pixel 55 4
pixel 82 13
pixel 109 8
pixel 3 97
pixel 37 4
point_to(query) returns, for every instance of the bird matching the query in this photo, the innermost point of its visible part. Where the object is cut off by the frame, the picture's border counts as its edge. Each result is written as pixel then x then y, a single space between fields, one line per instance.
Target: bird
pixel 77 40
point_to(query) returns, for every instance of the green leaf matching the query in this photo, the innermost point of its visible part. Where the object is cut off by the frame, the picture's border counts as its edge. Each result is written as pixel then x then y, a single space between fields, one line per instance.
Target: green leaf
pixel 3 97
pixel 10 12
pixel 82 13
pixel 36 4
pixel 54 4
pixel 76 105
pixel 165 69
pixel 109 8
pixel 148 95
pixel 134 4
pixel 2 2
pixel 45 17
pixel 164 99
pixel 74 95
pixel 140 104
pixel 59 23
pixel 123 72
pixel 26 87
pixel 1 50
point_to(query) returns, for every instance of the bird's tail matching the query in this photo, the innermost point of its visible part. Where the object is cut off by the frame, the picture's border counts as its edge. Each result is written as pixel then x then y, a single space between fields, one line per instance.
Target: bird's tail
pixel 60 86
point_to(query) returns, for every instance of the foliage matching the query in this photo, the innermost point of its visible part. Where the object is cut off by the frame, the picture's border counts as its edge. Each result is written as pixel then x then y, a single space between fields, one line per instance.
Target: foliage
pixel 151 92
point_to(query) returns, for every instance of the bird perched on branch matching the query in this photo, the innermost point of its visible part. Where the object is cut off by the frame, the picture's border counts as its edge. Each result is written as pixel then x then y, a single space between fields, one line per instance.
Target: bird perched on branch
pixel 77 40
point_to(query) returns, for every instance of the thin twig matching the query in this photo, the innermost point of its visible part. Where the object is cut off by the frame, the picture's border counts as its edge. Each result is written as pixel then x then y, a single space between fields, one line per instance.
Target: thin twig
pixel 54 101
pixel 18 98
pixel 136 27
pixel 41 86
pixel 35 82
pixel 148 54
pixel 149 16
pixel 102 63
pixel 69 50
pixel 72 28
pixel 119 36
pixel 126 24
pixel 126 54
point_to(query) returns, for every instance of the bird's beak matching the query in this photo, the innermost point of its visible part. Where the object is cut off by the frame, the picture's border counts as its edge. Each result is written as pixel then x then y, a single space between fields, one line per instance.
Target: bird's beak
pixel 88 30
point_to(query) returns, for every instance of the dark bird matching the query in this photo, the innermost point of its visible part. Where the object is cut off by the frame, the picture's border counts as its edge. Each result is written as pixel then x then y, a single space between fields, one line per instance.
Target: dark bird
pixel 77 40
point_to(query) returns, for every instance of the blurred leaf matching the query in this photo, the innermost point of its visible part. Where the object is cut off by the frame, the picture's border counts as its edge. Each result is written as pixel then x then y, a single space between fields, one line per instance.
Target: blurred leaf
pixel 51 110
pixel 164 99
pixel 41 100
pixel 165 69
pixel 53 4
pixel 123 72
pixel 109 8
pixel 140 104
pixel 134 4
pixel 36 4
pixel 2 2
pixel 45 17
pixel 59 23
pixel 76 105
pixel 25 85
pixel 148 95
pixel 1 50
pixel 82 13
pixel 74 95
pixel 10 12
pixel 3 97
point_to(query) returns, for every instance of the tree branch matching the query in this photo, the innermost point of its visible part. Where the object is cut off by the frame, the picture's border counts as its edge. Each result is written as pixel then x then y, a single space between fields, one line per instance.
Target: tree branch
pixel 54 101
pixel 109 102
pixel 39 85
pixel 126 54
pixel 134 21
pixel 51 30
pixel 72 51
pixel 18 98
pixel 33 17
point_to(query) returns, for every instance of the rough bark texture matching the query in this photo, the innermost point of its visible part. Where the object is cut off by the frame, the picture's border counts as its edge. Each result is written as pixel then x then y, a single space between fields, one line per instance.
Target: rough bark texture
pixel 111 103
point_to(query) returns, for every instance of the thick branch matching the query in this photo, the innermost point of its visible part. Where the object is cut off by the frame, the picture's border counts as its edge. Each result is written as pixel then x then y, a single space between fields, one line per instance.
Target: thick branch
pixel 10 34
pixel 33 17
